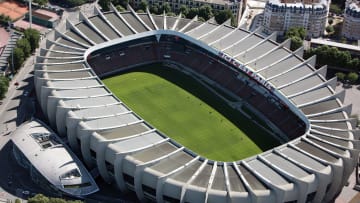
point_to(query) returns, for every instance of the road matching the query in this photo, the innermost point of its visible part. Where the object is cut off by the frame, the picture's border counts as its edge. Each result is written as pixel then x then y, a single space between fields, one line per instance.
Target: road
pixel 15 108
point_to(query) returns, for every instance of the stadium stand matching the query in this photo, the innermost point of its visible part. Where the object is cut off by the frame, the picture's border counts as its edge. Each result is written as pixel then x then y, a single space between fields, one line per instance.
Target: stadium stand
pixel 313 165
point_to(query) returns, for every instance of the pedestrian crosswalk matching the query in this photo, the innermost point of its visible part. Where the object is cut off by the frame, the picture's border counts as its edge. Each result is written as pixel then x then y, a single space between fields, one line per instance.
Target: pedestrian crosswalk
pixel 6 53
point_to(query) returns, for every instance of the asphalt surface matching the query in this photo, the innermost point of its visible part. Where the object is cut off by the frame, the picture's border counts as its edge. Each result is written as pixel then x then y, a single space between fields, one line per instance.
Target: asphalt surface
pixel 14 110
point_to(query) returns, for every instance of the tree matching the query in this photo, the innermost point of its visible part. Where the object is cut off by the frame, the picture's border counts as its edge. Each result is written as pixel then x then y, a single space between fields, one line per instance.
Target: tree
pixel 297 35
pixel 104 4
pixel 25 46
pixel 201 19
pixel 4 85
pixel 33 36
pixel 120 8
pixel 123 3
pixel 166 8
pixel 41 2
pixel 224 15
pixel 296 42
pixel 4 19
pixel 143 5
pixel 355 64
pixel 352 77
pixel 73 3
pixel 184 10
pixel 296 32
pixel 340 76
pixel 155 9
pixel 39 198
pixel 140 11
pixel 192 13
pixel 57 200
pixel 334 8
pixel 19 58
pixel 205 12
pixel 334 57
pixel 329 29
pixel 171 14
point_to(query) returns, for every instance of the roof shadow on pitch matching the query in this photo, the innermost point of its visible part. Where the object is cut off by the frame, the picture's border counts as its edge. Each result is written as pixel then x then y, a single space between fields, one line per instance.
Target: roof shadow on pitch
pixel 263 140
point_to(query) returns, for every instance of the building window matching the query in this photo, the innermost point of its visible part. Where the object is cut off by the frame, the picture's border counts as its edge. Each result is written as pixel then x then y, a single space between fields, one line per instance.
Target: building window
pixel 170 199
pixel 92 154
pixel 109 167
pixel 149 190
pixel 129 179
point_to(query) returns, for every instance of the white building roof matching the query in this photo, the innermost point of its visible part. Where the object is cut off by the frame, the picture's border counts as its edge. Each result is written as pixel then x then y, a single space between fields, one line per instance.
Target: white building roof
pixel 52 158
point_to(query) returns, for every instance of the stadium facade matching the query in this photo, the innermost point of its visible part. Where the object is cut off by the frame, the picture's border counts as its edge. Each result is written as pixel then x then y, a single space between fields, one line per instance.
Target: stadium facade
pixel 320 147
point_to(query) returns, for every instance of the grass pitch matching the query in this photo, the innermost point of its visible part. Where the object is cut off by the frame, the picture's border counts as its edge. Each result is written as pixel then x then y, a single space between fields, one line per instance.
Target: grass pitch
pixel 189 113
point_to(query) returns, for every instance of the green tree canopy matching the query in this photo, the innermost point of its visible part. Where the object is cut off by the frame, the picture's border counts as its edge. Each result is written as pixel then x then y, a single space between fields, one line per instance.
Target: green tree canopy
pixel 123 3
pixel 4 85
pixel 334 8
pixel 192 13
pixel 340 75
pixel 120 8
pixel 166 8
pixel 143 5
pixel 334 57
pixel 330 29
pixel 105 4
pixel 297 35
pixel 40 198
pixel 19 58
pixel 171 14
pixel 33 36
pixel 296 32
pixel 224 15
pixel 4 19
pixel 184 10
pixel 24 44
pixel 41 2
pixel 352 77
pixel 155 9
pixel 296 42
pixel 73 3
pixel 205 12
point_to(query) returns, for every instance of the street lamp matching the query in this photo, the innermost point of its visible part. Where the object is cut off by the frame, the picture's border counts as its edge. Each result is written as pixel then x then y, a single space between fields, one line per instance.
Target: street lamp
pixel 30 13
pixel 12 54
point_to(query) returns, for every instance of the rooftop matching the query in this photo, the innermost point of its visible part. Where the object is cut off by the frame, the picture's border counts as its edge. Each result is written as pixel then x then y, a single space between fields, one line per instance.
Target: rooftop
pixel 40 145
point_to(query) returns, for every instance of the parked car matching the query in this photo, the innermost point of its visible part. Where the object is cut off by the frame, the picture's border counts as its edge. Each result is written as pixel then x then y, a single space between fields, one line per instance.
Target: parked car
pixel 26 93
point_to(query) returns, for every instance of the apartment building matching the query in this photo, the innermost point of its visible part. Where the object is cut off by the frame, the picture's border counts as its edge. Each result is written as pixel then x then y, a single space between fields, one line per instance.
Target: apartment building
pixel 280 15
pixel 351 26
pixel 233 5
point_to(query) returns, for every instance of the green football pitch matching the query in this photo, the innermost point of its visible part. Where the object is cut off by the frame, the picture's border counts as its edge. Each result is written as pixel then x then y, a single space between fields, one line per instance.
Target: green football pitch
pixel 186 111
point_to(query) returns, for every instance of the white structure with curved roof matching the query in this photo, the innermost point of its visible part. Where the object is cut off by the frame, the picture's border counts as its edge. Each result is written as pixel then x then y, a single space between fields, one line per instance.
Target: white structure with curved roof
pixel 38 148
pixel 312 166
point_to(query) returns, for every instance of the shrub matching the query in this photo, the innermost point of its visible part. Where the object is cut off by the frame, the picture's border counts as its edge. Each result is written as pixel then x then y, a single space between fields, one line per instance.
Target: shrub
pixel 352 77
pixel 329 29
pixel 340 76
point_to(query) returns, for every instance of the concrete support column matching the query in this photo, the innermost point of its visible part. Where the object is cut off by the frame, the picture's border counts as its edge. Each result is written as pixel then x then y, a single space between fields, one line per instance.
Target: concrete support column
pixel 100 161
pixel 71 124
pixel 118 170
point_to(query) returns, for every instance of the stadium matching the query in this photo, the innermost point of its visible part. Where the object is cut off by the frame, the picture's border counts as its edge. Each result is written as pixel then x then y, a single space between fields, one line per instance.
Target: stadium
pixel 318 150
